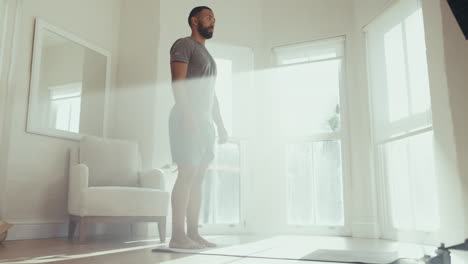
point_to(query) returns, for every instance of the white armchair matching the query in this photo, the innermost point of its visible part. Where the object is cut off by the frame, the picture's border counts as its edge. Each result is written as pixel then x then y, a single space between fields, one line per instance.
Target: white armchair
pixel 107 185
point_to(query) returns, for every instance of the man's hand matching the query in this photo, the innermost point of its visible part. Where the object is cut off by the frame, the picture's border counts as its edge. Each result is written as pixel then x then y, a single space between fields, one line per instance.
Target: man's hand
pixel 222 135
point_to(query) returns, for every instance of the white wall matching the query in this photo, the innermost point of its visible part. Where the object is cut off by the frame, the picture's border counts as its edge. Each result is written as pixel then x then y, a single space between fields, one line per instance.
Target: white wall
pixel 36 165
pixel 456 62
pixel 93 96
pixel 451 193
pixel 133 111
pixel 8 19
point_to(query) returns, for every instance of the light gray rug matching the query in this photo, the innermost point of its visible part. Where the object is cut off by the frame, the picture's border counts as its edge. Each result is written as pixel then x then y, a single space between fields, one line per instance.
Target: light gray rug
pixel 322 255
pixel 377 257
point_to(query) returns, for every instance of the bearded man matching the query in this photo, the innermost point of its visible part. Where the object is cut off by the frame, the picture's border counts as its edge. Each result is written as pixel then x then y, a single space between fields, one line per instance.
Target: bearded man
pixel 191 126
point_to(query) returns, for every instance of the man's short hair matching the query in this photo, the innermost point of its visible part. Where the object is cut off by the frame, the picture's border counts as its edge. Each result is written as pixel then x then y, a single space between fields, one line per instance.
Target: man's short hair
pixel 195 12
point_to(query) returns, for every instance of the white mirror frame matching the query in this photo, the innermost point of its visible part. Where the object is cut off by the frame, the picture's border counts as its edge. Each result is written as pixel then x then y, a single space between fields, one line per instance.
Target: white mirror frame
pixel 40 27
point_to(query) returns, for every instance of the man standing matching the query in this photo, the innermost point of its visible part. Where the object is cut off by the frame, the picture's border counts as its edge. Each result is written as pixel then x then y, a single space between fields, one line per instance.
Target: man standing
pixel 191 129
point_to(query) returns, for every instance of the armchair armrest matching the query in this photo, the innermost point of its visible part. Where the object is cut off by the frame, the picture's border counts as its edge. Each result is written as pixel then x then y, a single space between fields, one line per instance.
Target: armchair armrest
pixel 76 183
pixel 153 179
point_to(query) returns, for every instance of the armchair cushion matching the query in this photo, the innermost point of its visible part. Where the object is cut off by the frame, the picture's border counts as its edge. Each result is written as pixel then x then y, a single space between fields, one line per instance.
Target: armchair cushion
pixel 153 179
pixel 111 162
pixel 124 201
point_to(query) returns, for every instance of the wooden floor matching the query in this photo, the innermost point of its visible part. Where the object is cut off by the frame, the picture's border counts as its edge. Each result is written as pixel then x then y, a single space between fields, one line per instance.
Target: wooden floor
pixel 106 250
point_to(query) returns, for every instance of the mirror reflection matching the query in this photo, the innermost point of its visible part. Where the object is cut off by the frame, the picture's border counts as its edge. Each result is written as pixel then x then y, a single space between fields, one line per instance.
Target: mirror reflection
pixel 68 87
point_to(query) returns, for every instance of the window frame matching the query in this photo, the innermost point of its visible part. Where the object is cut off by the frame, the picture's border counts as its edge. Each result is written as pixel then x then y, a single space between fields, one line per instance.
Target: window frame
pixel 220 51
pixel 342 136
pixel 241 226
pixel 76 89
pixel 396 131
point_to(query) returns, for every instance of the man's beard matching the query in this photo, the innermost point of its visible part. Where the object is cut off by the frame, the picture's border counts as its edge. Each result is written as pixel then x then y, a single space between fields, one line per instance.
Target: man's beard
pixel 204 31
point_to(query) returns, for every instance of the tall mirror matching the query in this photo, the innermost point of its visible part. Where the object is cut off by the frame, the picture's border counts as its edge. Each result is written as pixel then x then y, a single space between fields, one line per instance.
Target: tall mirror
pixel 69 85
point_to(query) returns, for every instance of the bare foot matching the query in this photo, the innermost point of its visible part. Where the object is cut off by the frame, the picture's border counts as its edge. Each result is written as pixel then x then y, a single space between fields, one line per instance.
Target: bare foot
pixel 202 241
pixel 185 243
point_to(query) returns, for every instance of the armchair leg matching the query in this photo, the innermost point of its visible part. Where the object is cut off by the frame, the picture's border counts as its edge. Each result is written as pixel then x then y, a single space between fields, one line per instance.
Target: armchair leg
pixel 71 228
pixel 83 229
pixel 132 230
pixel 162 229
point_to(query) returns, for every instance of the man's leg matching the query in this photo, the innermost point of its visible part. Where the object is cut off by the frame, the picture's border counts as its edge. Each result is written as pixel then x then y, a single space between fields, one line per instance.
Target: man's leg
pixel 194 206
pixel 179 202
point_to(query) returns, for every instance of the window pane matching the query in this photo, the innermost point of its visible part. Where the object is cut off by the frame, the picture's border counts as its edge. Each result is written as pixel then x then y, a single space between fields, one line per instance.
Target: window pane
pixel 224 91
pixel 75 109
pixel 67 113
pixel 221 187
pixel 315 186
pixel 309 98
pixel 396 75
pixel 398 71
pixel 63 114
pixel 421 149
pixel 412 184
pixel 396 166
pixel 65 106
pixel 417 63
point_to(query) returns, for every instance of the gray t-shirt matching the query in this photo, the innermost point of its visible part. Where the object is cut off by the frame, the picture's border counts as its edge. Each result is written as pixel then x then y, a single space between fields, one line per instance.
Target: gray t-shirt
pixel 201 75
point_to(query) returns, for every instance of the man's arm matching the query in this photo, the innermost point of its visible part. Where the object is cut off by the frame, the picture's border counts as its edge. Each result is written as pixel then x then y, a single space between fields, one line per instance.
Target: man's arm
pixel 179 74
pixel 222 133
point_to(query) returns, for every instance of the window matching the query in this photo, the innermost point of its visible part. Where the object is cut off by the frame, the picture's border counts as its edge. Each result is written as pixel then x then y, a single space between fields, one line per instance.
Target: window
pixel 65 107
pixel 402 122
pixel 221 187
pixel 308 82
pixel 224 91
pixel 410 177
pixel 221 205
pixel 315 183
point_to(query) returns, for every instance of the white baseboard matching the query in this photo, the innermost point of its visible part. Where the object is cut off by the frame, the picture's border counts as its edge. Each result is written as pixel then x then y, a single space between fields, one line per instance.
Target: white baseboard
pixel 366 230
pixel 21 231
pixel 41 230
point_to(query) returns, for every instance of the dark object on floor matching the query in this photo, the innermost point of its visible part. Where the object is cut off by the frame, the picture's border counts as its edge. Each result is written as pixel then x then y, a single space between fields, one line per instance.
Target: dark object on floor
pixel 462 246
pixel 443 254
pixel 460 11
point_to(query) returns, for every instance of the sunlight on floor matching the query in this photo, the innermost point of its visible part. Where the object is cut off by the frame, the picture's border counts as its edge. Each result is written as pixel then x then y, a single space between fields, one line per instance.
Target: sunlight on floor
pixel 56 258
pixel 242 250
pixel 297 248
